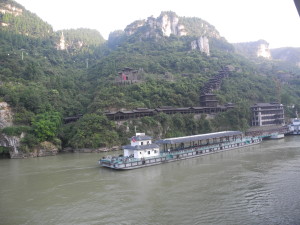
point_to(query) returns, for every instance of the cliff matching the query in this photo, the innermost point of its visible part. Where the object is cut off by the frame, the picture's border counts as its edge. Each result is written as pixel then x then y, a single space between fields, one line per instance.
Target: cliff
pixel 74 40
pixel 6 120
pixel 254 49
pixel 291 55
pixel 13 142
pixel 169 24
pixel 15 18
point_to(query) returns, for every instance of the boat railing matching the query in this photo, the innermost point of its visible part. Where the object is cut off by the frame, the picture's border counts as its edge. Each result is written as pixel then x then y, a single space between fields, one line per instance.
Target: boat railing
pixel 203 148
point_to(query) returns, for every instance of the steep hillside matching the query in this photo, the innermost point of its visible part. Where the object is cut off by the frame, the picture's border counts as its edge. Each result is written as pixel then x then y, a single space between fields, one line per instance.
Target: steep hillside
pixel 15 18
pixel 47 76
pixel 79 40
pixel 254 49
pixel 196 33
pixel 291 55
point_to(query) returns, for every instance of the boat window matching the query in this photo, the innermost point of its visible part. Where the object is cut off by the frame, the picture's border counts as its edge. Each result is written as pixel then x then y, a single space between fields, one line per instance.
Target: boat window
pixel 155 151
pixel 142 143
pixel 140 153
pixel 148 152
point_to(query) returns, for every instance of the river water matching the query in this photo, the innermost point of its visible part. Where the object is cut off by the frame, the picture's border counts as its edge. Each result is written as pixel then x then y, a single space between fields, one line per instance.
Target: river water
pixel 252 185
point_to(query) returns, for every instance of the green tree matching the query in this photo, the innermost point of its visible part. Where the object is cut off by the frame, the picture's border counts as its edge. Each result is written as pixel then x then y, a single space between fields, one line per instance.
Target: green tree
pixel 45 126
pixel 92 131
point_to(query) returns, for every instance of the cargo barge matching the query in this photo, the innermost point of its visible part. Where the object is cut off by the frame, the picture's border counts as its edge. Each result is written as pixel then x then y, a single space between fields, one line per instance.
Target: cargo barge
pixel 142 152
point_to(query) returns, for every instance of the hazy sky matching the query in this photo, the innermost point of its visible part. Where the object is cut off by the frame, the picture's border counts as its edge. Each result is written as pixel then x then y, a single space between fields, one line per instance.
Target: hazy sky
pixel 275 21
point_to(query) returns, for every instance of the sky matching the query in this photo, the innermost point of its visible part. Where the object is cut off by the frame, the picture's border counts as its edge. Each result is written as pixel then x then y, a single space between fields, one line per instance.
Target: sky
pixel 275 21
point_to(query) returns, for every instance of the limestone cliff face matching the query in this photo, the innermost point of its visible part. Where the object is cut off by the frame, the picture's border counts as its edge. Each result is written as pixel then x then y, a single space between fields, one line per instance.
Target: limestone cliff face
pixel 9 9
pixel 287 54
pixel 13 142
pixel 165 25
pixel 6 115
pixel 6 120
pixel 201 44
pixel 256 49
pixel 168 23
pixel 263 50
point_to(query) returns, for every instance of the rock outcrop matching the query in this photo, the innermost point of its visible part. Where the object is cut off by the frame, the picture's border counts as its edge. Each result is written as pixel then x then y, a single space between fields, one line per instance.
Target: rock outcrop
pixel 13 142
pixel 263 50
pixel 201 44
pixel 6 120
pixel 165 25
pixel 255 49
pixel 288 54
pixel 168 23
pixel 9 9
pixel 6 115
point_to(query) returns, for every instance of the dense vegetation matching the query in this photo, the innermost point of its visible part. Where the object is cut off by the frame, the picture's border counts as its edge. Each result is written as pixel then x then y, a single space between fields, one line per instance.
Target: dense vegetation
pixel 44 85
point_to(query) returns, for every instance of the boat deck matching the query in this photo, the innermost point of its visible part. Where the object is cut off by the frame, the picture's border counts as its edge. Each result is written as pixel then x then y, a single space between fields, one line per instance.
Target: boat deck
pixel 179 154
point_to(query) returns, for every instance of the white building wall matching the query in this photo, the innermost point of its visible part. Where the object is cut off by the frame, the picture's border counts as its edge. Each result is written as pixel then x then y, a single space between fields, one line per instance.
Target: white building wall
pixel 128 152
pixel 144 153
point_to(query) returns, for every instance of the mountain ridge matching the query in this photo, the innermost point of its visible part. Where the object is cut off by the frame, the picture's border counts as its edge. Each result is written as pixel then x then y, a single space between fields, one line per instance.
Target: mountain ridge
pixel 45 78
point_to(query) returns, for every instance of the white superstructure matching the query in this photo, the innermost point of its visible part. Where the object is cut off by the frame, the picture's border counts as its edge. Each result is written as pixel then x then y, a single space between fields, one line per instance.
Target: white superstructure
pixel 141 146
pixel 294 127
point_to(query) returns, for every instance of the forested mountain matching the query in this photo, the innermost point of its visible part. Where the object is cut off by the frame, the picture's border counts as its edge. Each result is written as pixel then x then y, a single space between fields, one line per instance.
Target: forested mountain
pixel 47 76
pixel 288 54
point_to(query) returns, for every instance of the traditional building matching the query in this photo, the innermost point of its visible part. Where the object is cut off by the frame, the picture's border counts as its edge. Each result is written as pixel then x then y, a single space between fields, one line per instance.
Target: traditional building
pixel 266 114
pixel 128 76
pixel 208 100
pixel 141 112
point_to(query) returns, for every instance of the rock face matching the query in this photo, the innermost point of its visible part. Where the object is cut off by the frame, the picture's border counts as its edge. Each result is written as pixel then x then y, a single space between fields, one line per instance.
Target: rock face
pixel 62 43
pixel 9 9
pixel 45 149
pixel 287 54
pixel 6 118
pixel 13 142
pixel 263 50
pixel 255 49
pixel 168 24
pixel 201 44
pixel 165 25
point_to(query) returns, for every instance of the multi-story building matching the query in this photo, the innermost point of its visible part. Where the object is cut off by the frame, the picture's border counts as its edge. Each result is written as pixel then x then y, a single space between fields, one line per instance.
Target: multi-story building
pixel 208 100
pixel 266 114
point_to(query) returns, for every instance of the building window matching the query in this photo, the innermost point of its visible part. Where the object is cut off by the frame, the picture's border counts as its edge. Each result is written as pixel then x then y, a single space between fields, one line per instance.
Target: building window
pixel 140 153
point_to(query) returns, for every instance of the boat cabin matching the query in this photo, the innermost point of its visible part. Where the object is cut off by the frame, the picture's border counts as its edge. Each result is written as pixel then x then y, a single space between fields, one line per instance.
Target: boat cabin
pixel 141 146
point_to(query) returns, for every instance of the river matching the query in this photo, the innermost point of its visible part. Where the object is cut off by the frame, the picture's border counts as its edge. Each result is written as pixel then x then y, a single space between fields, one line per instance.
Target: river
pixel 253 185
